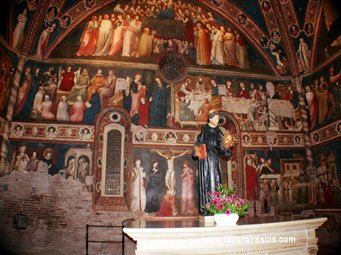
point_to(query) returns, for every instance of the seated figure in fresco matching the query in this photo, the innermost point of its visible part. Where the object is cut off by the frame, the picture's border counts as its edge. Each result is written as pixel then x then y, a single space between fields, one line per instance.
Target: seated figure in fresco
pixel 67 79
pixel 38 103
pixel 63 110
pixel 210 138
pixel 81 86
pixel 77 110
pixel 47 109
pixel 96 82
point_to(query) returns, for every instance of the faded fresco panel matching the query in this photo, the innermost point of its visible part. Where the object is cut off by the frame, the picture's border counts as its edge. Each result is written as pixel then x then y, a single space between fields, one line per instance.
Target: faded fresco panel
pixel 68 160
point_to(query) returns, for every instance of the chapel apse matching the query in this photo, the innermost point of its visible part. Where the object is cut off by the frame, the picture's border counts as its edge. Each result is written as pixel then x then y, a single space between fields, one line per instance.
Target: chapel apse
pixel 268 115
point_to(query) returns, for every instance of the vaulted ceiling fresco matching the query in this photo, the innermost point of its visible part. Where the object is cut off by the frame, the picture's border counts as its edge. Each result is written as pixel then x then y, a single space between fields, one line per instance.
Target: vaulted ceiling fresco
pixel 278 37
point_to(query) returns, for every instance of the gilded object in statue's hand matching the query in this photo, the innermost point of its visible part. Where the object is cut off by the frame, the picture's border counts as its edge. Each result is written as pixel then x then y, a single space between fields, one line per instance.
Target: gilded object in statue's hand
pixel 228 140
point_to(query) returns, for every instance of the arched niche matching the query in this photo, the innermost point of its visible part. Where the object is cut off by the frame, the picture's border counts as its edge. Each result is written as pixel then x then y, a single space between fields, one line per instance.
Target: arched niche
pixel 233 167
pixel 111 157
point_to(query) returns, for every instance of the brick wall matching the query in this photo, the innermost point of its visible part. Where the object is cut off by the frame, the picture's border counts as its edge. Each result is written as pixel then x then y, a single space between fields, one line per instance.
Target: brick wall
pixel 57 211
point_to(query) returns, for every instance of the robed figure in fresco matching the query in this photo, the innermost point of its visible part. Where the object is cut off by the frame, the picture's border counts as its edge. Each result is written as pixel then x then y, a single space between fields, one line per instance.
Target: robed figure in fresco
pixel 208 148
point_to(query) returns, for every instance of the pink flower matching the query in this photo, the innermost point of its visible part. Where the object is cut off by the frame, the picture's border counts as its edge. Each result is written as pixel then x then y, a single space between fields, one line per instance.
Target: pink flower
pixel 220 206
pixel 216 193
pixel 216 200
pixel 228 212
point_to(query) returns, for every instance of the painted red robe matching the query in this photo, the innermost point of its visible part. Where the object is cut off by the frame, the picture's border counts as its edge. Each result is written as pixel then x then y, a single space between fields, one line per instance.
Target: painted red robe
pixel 251 182
pixel 67 81
pixel 144 114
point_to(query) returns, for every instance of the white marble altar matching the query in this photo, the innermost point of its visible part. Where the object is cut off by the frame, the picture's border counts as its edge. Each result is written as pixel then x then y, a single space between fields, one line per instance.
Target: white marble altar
pixel 271 235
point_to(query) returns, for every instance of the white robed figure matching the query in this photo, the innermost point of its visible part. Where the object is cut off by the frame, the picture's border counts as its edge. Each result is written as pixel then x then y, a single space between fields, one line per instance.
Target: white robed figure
pixel 131 39
pixel 19 31
pixel 104 37
pixel 138 202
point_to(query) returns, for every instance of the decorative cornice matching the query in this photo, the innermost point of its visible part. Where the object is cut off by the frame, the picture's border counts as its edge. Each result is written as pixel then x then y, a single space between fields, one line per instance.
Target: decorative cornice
pixel 272 140
pixel 326 134
pixel 50 132
pixel 173 137
pixel 151 136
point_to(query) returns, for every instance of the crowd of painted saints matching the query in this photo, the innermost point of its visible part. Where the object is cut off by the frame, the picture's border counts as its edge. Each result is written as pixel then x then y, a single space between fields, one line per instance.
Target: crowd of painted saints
pixel 126 32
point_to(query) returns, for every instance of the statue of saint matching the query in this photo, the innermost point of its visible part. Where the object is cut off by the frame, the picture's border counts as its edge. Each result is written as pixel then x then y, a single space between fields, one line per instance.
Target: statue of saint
pixel 208 148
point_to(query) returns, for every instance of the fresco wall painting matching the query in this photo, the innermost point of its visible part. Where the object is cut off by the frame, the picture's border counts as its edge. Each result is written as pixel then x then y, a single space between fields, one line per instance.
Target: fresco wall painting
pixel 69 105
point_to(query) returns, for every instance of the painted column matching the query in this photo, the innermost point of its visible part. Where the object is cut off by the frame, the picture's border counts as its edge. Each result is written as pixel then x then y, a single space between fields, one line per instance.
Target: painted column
pixel 171 114
pixel 297 81
pixel 4 166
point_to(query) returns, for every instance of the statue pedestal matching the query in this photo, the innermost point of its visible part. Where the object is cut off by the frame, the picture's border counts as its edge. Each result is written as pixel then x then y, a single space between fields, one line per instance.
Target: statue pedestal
pixel 271 235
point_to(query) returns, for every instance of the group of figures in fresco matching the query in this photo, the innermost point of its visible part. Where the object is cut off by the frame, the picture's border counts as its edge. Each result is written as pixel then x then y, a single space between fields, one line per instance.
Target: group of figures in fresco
pixel 165 191
pixel 291 186
pixel 67 94
pixel 323 97
pixel 28 159
pixel 129 31
pixel 257 106
pixel 171 191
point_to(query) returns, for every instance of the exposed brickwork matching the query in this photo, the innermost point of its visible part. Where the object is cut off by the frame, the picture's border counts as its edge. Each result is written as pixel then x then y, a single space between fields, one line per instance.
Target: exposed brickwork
pixel 57 212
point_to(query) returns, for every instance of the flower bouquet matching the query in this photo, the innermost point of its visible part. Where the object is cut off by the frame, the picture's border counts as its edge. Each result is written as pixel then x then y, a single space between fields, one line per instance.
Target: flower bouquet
pixel 224 201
